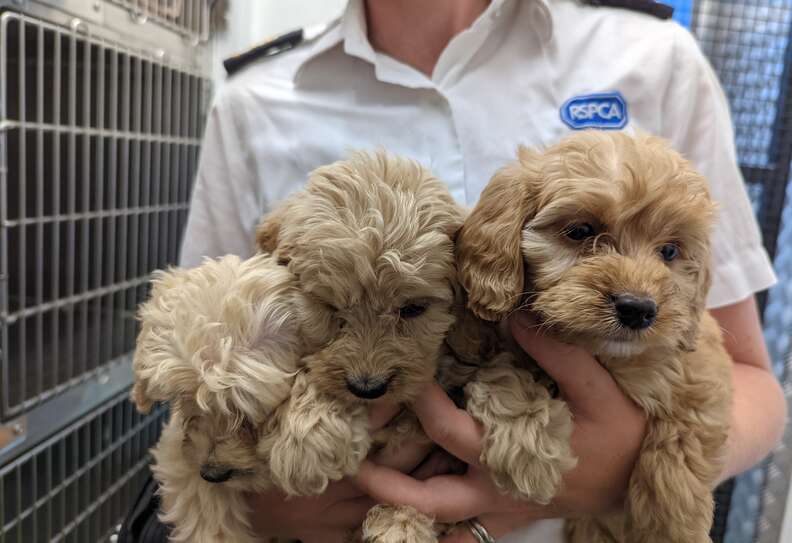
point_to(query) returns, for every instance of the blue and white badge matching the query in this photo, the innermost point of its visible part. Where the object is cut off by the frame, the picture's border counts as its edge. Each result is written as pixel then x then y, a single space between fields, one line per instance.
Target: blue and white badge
pixel 603 110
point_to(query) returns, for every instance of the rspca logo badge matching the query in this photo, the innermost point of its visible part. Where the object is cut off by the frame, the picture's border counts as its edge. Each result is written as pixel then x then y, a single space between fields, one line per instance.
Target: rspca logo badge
pixel 605 110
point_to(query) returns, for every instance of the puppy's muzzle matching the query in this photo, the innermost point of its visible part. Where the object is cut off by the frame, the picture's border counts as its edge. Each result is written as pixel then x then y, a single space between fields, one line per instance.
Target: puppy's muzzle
pixel 215 473
pixel 635 312
pixel 367 388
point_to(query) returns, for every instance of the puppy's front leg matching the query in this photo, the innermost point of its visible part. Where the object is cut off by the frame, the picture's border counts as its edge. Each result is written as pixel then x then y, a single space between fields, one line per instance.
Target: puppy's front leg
pixel 315 439
pixel 670 491
pixel 398 524
pixel 526 431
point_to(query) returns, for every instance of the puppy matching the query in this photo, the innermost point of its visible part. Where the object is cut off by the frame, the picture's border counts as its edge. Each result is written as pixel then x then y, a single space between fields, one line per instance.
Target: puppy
pixel 221 343
pixel 370 240
pixel 605 237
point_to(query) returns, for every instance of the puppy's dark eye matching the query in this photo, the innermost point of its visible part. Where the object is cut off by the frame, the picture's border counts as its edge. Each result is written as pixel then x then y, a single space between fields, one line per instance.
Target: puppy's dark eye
pixel 410 311
pixel 579 232
pixel 669 252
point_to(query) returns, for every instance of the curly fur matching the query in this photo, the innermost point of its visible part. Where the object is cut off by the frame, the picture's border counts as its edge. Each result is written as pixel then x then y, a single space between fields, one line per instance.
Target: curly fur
pixel 221 343
pixel 370 239
pixel 398 524
pixel 331 435
pixel 638 194
pixel 526 446
pixel 526 431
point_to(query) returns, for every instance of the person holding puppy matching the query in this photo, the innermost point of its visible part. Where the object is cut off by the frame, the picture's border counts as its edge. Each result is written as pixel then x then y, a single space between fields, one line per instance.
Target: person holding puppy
pixel 457 85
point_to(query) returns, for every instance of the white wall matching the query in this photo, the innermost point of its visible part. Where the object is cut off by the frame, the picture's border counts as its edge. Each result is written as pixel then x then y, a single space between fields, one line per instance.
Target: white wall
pixel 253 21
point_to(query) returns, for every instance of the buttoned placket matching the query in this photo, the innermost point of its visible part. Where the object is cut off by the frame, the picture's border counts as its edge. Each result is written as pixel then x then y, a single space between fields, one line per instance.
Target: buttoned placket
pixel 484 37
pixel 450 66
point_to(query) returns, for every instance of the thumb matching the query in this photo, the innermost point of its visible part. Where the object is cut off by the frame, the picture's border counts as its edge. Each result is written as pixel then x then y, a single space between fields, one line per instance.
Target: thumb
pixel 582 380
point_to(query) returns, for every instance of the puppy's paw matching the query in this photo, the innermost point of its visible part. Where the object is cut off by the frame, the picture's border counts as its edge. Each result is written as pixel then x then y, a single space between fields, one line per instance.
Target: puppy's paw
pixel 314 441
pixel 398 524
pixel 527 433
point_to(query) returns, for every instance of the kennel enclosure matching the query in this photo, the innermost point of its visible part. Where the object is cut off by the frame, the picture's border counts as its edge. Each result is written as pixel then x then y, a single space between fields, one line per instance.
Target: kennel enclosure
pixel 101 114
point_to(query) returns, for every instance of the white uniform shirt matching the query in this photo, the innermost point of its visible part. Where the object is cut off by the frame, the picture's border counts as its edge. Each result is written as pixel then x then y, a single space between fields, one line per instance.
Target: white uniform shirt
pixel 526 72
pixel 502 82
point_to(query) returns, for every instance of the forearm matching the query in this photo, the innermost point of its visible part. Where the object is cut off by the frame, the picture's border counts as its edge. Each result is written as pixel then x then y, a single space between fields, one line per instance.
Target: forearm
pixel 758 418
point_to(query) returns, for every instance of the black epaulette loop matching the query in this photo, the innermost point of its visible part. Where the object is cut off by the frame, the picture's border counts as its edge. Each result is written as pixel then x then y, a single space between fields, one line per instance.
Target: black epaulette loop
pixel 270 48
pixel 650 7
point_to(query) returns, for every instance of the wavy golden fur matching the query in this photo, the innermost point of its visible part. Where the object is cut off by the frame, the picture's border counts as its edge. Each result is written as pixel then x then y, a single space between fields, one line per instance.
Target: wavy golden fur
pixel 370 240
pixel 222 343
pixel 568 233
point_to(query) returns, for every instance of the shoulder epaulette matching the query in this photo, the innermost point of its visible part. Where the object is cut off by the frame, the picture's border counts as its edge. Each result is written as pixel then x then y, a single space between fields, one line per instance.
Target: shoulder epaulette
pixel 269 48
pixel 650 7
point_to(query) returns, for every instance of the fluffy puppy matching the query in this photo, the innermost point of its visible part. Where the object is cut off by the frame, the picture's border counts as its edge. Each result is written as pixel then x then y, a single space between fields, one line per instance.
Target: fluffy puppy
pixel 370 239
pixel 606 238
pixel 222 344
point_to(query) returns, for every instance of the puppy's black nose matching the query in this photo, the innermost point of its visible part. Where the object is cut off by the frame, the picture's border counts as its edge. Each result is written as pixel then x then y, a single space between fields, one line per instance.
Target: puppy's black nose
pixel 214 473
pixel 367 388
pixel 635 312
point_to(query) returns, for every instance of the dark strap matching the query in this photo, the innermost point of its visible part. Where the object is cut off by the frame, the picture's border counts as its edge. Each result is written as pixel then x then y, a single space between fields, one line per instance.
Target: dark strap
pixel 270 48
pixel 650 7
pixel 142 524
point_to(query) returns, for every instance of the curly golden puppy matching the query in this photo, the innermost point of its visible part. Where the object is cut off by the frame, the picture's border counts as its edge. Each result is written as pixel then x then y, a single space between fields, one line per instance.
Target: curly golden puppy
pixel 370 239
pixel 221 343
pixel 606 238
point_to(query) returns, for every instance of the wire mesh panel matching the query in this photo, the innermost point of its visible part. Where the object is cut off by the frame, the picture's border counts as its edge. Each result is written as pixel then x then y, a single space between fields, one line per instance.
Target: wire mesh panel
pixel 98 147
pixel 187 17
pixel 77 485
pixel 748 44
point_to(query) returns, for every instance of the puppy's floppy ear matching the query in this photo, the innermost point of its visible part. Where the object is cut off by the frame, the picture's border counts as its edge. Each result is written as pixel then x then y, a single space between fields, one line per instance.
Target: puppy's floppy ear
pixel 161 371
pixel 140 397
pixel 156 373
pixel 146 391
pixel 160 376
pixel 698 305
pixel 488 248
pixel 702 272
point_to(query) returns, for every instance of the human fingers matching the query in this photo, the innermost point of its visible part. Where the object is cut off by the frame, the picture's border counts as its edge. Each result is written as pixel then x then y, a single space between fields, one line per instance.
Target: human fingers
pixel 582 380
pixel 340 490
pixel 273 514
pixel 348 513
pixel 447 425
pixel 326 536
pixel 406 457
pixel 497 525
pixel 448 498
pixel 381 414
pixel 438 463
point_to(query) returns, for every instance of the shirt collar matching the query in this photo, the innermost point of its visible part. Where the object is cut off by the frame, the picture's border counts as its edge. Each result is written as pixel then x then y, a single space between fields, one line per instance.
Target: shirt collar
pixel 350 29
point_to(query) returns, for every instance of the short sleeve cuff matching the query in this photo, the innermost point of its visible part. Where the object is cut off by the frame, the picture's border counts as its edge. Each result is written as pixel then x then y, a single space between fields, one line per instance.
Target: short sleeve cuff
pixel 739 278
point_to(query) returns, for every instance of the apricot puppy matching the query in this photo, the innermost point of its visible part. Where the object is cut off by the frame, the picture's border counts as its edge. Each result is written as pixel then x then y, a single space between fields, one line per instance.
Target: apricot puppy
pixel 370 241
pixel 605 237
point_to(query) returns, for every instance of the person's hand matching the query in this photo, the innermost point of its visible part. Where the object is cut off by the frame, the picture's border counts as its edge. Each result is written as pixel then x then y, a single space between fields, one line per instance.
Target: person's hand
pixel 607 437
pixel 338 512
